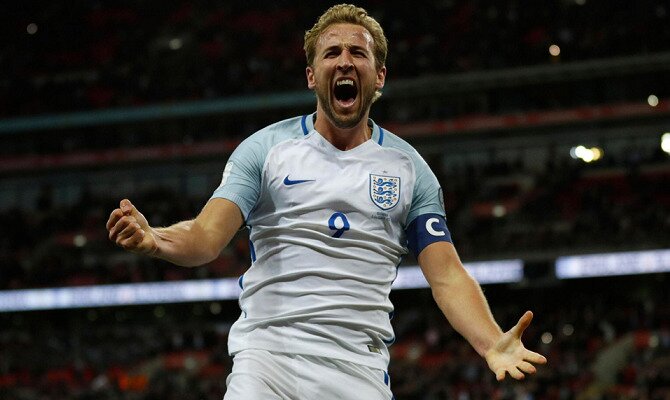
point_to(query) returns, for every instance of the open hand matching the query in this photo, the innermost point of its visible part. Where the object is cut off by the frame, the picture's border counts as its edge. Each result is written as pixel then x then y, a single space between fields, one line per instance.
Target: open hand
pixel 509 356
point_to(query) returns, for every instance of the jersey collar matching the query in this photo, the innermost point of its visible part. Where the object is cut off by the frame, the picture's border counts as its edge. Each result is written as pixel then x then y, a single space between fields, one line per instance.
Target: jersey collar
pixel 307 124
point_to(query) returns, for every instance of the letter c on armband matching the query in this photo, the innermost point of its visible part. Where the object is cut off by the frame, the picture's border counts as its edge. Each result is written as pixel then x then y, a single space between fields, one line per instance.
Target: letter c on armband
pixel 429 227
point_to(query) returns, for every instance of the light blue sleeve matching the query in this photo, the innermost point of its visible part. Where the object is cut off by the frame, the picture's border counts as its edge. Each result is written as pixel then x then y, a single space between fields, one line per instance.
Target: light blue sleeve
pixel 427 197
pixel 241 181
pixel 427 194
pixel 242 176
pixel 426 220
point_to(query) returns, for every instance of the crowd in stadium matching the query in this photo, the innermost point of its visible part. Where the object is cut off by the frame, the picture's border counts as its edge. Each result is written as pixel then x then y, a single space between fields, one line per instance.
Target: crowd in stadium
pixel 179 352
pixel 498 210
pixel 65 57
pixel 93 56
pixel 157 352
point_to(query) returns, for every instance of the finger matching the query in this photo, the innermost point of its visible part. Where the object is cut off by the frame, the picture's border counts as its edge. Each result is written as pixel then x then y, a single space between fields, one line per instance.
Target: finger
pixel 133 241
pixel 129 230
pixel 500 375
pixel 124 229
pixel 126 207
pixel 527 367
pixel 523 323
pixel 516 374
pixel 119 227
pixel 114 217
pixel 535 358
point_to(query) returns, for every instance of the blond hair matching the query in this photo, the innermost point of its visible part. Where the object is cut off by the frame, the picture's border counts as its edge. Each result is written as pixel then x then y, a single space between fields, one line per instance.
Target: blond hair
pixel 347 14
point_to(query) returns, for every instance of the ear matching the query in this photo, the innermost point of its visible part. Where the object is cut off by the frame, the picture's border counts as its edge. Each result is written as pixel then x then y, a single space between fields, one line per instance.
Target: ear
pixel 381 78
pixel 311 81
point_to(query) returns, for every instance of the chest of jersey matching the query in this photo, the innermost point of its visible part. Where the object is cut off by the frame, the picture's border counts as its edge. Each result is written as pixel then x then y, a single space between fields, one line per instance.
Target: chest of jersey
pixel 311 185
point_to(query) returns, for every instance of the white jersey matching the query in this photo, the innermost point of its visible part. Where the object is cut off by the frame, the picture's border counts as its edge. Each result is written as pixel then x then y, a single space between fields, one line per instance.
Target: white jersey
pixel 327 232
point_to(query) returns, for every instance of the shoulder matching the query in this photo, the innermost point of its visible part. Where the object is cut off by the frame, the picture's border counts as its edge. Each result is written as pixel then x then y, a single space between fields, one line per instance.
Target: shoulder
pixel 262 141
pixel 426 194
pixel 287 129
pixel 393 142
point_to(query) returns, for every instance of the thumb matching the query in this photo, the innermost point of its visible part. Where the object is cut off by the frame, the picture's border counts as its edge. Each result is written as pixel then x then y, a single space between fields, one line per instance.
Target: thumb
pixel 523 323
pixel 130 210
pixel 127 207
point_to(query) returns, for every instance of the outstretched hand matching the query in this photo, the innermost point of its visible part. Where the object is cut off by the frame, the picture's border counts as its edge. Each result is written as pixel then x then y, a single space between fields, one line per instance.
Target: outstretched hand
pixel 509 356
pixel 129 229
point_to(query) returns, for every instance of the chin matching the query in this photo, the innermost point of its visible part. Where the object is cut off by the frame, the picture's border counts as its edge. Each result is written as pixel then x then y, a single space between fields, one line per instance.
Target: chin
pixel 343 119
pixel 347 122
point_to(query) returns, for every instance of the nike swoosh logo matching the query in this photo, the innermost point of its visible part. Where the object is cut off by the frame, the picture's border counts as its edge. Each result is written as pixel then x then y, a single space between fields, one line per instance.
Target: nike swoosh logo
pixel 289 182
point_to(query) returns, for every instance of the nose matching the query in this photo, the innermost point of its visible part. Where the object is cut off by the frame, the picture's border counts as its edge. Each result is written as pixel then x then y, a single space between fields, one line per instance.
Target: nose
pixel 345 61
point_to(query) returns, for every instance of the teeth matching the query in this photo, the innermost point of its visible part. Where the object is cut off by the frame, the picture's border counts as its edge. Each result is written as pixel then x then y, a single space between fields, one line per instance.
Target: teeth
pixel 345 82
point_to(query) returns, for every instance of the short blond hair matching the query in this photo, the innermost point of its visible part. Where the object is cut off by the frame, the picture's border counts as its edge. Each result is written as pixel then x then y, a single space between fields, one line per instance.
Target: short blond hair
pixel 347 14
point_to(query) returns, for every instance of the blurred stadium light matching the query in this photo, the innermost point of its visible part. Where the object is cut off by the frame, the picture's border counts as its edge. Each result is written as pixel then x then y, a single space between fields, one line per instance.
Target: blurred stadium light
pixel 411 277
pixel 611 264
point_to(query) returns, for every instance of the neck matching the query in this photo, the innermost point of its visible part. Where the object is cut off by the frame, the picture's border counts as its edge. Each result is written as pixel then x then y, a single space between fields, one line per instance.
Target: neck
pixel 342 138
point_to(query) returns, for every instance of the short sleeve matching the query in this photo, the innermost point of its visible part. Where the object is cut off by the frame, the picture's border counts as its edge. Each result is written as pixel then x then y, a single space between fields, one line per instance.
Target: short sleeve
pixel 241 180
pixel 242 177
pixel 426 221
pixel 427 197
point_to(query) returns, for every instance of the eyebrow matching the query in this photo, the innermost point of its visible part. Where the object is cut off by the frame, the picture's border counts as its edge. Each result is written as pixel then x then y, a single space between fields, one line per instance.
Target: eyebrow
pixel 351 47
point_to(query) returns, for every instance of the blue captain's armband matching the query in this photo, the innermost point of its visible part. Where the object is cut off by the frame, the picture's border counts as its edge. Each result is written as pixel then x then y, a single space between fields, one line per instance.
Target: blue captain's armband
pixel 427 229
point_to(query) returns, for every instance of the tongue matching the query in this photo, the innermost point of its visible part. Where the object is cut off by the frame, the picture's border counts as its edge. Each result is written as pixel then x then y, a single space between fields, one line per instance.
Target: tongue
pixel 346 102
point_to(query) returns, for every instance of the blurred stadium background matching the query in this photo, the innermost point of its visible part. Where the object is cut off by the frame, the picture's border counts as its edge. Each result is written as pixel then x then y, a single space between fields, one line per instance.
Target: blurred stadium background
pixel 548 124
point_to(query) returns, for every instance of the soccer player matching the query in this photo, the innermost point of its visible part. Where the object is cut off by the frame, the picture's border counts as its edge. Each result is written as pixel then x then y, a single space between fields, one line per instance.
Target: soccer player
pixel 332 202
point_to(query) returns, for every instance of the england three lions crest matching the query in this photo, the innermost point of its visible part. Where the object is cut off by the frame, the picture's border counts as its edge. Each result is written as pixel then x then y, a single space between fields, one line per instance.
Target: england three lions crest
pixel 384 191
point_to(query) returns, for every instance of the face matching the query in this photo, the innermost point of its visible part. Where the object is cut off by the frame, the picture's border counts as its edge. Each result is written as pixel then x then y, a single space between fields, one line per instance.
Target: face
pixel 344 75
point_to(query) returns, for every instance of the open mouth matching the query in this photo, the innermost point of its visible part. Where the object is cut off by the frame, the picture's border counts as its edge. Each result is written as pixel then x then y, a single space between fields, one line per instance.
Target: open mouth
pixel 345 91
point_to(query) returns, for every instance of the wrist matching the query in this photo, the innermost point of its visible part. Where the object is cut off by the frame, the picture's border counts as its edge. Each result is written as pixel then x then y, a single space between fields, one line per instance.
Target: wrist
pixel 487 345
pixel 154 249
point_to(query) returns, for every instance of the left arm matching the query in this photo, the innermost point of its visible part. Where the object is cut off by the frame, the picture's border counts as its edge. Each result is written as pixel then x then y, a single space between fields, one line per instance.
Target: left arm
pixel 463 303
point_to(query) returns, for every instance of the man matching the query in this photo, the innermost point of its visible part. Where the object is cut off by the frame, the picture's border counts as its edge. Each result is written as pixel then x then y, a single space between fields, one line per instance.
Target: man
pixel 332 202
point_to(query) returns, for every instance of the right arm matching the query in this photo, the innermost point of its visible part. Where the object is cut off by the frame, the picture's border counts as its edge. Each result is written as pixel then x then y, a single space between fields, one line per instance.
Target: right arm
pixel 187 243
